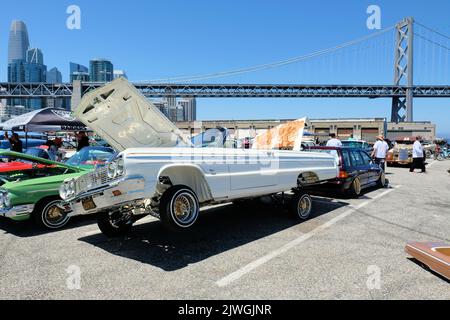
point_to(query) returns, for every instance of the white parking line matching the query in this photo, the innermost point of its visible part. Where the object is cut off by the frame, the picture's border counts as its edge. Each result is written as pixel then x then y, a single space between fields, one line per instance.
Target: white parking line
pixel 257 263
pixel 429 165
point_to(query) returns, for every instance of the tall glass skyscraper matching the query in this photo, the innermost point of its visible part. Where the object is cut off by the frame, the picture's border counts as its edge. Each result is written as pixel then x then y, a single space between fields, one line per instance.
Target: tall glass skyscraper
pixel 101 70
pixel 18 45
pixel 35 55
pixel 18 41
pixel 16 71
pixel 35 71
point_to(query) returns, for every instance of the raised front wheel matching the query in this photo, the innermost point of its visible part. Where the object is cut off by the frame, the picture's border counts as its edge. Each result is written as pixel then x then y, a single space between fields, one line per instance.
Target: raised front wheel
pixel 114 224
pixel 179 208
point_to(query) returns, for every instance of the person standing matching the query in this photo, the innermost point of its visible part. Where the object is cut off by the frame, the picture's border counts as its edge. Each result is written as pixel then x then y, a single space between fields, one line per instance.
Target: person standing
pixel 82 140
pixel 15 142
pixel 334 142
pixel 53 149
pixel 379 153
pixel 418 157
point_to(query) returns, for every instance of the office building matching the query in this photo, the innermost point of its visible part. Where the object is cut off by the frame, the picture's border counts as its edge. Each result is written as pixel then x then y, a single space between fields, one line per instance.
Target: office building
pixel 35 71
pixel 101 70
pixel 54 76
pixel 18 44
pixel 18 41
pixel 8 112
pixel 78 72
pixel 35 55
pixel 365 129
pixel 424 129
pixel 189 109
pixel 162 106
pixel 16 71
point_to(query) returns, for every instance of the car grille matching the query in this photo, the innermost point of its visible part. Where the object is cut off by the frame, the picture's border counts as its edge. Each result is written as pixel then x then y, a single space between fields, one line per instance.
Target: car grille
pixel 92 180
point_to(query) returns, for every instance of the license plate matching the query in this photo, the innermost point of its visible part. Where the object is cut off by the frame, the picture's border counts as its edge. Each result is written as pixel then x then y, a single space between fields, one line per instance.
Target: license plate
pixel 88 204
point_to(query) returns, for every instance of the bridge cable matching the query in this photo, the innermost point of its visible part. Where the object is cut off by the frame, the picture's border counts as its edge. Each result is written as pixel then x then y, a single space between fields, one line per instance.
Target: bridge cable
pixel 271 65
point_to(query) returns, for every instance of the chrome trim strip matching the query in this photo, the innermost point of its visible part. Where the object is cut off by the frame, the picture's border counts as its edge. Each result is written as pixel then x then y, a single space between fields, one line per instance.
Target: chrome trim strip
pixel 102 188
pixel 16 211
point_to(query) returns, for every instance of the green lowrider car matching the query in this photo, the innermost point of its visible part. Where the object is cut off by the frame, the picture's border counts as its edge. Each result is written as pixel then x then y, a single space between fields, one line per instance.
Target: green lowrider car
pixel 29 186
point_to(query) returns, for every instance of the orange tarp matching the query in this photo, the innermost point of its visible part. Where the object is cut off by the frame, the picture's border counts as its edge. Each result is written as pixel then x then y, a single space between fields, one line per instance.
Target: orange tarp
pixel 284 136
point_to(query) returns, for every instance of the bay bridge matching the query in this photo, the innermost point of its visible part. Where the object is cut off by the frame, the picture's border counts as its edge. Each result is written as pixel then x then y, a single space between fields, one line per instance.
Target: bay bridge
pixel 402 91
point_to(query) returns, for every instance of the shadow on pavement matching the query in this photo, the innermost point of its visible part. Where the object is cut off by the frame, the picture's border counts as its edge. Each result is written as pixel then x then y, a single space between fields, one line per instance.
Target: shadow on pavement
pixel 218 230
pixel 426 268
pixel 29 229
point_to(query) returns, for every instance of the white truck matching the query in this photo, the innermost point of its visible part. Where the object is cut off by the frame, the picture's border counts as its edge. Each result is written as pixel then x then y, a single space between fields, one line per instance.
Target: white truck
pixel 158 172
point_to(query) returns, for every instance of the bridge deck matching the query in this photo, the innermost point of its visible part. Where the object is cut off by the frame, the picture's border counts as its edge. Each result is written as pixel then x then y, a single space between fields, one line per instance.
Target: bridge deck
pixel 42 90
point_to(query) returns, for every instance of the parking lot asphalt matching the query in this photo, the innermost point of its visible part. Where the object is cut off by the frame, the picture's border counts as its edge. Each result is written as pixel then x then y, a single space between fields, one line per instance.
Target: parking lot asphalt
pixel 349 249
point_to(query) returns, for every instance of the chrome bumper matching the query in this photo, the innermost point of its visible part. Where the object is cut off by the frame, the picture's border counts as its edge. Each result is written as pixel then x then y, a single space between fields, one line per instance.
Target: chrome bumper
pixel 115 194
pixel 17 211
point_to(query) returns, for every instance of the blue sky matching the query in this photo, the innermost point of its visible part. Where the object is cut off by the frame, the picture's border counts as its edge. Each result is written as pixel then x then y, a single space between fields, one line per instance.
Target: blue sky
pixel 162 39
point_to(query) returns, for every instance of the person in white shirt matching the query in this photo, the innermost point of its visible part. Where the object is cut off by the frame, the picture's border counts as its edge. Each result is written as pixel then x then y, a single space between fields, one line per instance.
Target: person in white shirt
pixel 380 150
pixel 418 156
pixel 334 142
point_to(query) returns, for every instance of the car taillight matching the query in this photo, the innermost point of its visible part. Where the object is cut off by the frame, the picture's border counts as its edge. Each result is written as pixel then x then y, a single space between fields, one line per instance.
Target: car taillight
pixel 343 174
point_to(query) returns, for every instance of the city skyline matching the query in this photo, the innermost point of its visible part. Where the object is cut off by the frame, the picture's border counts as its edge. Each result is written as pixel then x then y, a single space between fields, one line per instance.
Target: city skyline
pixel 26 64
pixel 215 44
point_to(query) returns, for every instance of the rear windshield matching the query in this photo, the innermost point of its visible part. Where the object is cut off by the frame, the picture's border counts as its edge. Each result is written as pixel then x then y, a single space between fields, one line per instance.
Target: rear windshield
pixel 332 152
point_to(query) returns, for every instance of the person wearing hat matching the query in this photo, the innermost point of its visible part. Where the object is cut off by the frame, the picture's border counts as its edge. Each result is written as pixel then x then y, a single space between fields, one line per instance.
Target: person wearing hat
pixel 418 156
pixel 380 150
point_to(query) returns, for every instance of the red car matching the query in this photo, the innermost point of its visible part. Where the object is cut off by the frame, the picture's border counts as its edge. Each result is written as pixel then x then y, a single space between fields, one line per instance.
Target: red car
pixel 11 166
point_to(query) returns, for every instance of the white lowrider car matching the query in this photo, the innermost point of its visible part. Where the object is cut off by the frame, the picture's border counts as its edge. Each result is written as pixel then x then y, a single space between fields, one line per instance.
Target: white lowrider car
pixel 158 172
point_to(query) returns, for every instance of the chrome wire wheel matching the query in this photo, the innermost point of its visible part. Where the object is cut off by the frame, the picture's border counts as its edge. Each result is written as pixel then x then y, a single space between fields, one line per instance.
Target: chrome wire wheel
pixel 300 206
pixel 184 208
pixel 53 215
pixel 304 206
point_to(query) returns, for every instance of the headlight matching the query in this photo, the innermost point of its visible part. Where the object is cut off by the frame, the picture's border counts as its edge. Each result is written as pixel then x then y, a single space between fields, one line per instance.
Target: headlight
pixel 71 187
pixel 112 170
pixel 5 200
pixel 67 189
pixel 63 191
pixel 120 167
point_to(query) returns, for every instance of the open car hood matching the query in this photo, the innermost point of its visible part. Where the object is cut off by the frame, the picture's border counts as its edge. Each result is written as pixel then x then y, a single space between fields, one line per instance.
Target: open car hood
pixel 124 118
